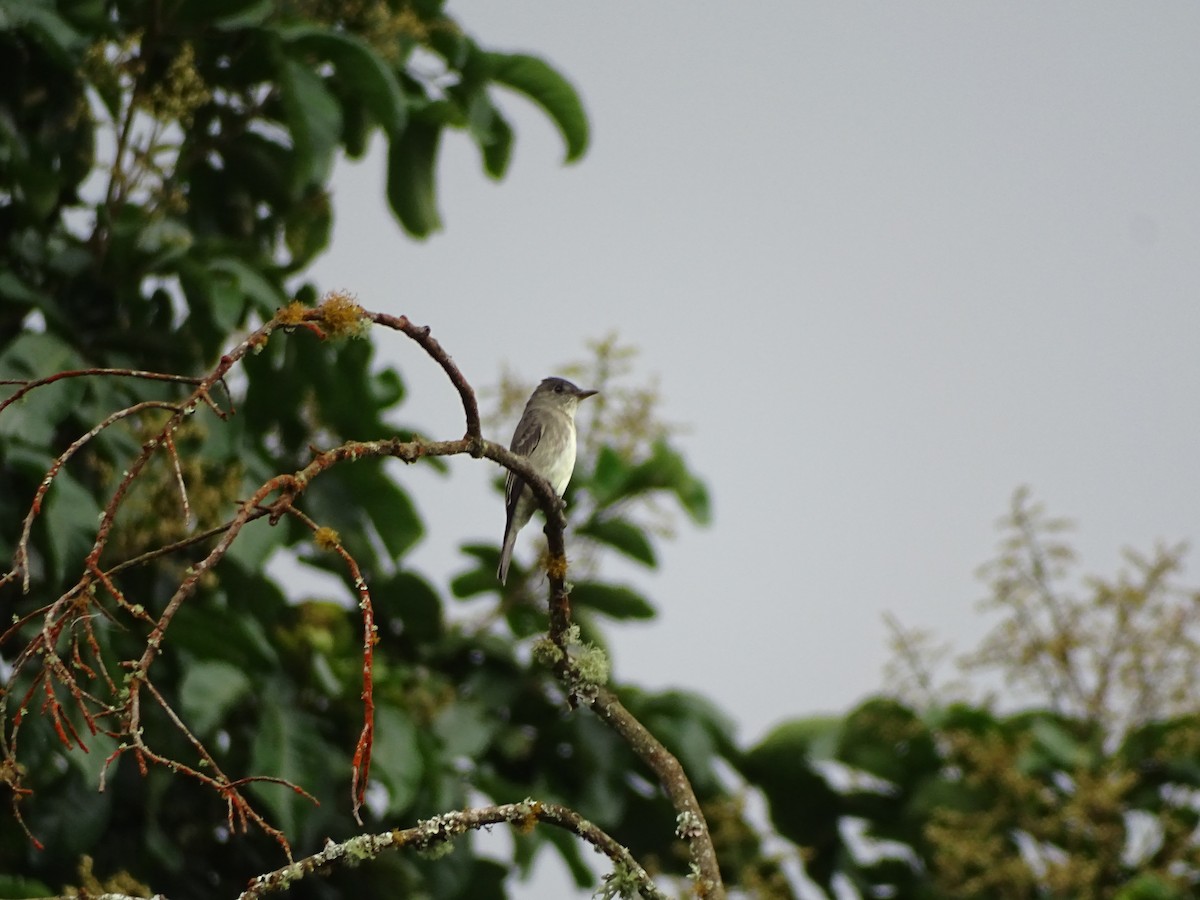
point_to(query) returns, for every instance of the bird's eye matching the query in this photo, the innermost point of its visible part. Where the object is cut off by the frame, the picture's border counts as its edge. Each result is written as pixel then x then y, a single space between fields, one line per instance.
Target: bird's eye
pixel 558 389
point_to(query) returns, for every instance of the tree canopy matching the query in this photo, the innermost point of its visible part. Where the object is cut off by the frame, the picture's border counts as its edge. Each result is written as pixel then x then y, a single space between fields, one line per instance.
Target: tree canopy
pixel 179 405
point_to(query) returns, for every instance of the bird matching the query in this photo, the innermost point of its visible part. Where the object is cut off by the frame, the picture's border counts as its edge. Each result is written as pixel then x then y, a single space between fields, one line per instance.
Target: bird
pixel 546 435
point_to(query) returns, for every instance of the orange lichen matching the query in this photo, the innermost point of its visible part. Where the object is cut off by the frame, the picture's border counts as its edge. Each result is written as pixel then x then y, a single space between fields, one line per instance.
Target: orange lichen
pixel 341 316
pixel 293 314
pixel 327 538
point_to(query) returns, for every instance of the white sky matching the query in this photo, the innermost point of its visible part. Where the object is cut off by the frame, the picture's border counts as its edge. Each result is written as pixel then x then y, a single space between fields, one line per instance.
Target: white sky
pixel 889 262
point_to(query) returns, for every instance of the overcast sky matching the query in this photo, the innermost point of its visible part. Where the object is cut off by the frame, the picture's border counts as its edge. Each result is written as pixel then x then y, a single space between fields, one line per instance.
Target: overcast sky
pixel 887 261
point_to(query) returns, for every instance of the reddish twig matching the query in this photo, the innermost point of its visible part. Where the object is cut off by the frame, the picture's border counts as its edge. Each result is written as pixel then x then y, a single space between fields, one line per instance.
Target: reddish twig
pixel 77 601
pixel 21 557
pixel 143 558
pixel 327 539
pixel 27 385
pixel 219 781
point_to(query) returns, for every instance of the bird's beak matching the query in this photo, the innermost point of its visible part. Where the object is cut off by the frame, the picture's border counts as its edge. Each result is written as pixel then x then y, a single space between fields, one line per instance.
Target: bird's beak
pixel 583 395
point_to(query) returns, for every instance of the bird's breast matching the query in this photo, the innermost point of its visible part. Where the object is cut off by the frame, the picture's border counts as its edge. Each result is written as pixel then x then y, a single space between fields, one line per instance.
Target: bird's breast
pixel 559 475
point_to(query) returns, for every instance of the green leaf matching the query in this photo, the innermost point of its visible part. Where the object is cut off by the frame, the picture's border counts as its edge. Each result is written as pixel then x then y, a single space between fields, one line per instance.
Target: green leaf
pixel 482 578
pixel 70 517
pixel 52 31
pixel 1058 741
pixel 477 581
pixel 386 504
pixel 933 794
pixel 340 374
pixel 14 886
pixel 1150 887
pixel 315 120
pixel 40 187
pixel 396 760
pixel 32 461
pixel 412 600
pixel 1165 743
pixel 245 14
pixel 815 737
pixel 226 14
pixel 240 640
pixel 525 620
pixel 16 291
pixel 887 739
pixel 1059 744
pixel 77 819
pixel 163 241
pixel 488 554
pixel 411 184
pixel 804 808
pixel 465 729
pixel 209 690
pixel 542 84
pixel 609 476
pixel 34 418
pixel 33 355
pixel 254 545
pixel 612 600
pixel 962 717
pixel 666 470
pixel 614 479
pixel 287 745
pixel 622 535
pixel 387 388
pixel 366 76
pixel 497 146
pixel 487 126
pixel 264 296
pixel 257 167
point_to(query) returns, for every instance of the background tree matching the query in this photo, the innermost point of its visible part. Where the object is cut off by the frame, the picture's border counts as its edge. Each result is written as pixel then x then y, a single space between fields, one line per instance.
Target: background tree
pixel 1078 779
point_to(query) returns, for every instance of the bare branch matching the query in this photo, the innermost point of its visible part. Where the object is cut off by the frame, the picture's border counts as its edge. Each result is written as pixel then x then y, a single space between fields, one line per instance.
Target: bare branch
pixel 27 386
pixel 328 539
pixel 21 557
pixel 420 334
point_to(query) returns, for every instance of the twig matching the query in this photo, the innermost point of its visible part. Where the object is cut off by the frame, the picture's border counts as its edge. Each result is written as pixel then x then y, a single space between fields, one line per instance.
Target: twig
pixel 328 539
pixel 183 494
pixel 27 385
pixel 420 334
pixel 220 782
pixel 21 557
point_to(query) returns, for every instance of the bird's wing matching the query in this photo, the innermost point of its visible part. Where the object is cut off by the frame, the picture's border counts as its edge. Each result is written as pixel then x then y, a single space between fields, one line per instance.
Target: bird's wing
pixel 524 442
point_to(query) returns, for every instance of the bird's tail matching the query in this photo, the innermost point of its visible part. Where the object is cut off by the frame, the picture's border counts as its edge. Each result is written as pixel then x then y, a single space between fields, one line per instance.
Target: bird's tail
pixel 510 541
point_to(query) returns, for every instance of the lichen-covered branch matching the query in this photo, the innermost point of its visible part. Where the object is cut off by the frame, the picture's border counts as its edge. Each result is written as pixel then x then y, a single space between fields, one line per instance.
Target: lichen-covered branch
pixel 690 823
pixel 432 834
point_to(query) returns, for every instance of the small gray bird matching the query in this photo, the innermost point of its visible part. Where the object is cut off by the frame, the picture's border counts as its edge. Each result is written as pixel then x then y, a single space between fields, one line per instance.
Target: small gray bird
pixel 545 434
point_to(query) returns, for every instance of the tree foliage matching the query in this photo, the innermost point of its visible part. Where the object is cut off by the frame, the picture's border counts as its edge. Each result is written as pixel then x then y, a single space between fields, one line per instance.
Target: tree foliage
pixel 1079 781
pixel 163 185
